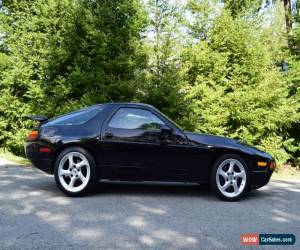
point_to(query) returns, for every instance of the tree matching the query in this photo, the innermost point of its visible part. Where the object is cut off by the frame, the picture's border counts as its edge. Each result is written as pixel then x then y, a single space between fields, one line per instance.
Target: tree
pixel 237 7
pixel 163 43
pixel 62 55
pixel 293 79
pixel 235 88
pixel 213 66
pixel 288 15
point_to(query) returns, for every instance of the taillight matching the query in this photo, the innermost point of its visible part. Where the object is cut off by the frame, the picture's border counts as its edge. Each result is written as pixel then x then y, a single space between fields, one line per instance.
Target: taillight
pixel 33 135
pixel 272 165
pixel 44 150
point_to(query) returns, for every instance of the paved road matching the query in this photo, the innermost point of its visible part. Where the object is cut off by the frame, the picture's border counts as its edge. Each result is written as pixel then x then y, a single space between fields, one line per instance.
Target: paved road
pixel 34 214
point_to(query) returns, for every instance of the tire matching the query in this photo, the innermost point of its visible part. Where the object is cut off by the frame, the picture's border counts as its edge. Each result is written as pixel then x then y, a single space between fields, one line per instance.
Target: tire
pixel 230 184
pixel 75 171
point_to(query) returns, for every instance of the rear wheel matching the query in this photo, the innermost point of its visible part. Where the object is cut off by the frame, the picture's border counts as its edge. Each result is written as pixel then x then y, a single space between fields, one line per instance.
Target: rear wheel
pixel 230 177
pixel 75 171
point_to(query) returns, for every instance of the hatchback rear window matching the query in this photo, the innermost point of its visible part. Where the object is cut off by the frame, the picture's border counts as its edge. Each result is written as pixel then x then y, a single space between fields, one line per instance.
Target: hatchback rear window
pixel 77 117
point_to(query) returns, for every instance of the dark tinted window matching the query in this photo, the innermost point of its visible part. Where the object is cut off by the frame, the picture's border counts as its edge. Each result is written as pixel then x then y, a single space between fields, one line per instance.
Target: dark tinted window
pixel 133 118
pixel 76 118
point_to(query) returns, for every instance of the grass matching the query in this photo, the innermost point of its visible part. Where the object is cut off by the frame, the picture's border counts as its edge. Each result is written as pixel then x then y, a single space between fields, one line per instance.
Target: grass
pixel 11 157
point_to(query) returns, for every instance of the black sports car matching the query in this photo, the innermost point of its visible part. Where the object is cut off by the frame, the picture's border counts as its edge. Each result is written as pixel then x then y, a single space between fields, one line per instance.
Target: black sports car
pixel 136 142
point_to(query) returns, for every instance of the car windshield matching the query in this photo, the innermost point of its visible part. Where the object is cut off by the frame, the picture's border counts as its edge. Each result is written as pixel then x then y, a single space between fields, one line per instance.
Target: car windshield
pixel 76 118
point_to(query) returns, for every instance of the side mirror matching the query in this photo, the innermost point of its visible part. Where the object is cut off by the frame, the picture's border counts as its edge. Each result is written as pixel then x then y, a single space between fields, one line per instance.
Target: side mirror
pixel 165 132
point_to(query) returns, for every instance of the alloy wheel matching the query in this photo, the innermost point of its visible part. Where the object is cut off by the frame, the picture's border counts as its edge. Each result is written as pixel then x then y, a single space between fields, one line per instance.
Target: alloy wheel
pixel 231 178
pixel 74 172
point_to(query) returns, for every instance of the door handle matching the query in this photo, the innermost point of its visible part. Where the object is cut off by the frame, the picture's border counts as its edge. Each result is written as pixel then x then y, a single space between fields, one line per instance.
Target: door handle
pixel 109 135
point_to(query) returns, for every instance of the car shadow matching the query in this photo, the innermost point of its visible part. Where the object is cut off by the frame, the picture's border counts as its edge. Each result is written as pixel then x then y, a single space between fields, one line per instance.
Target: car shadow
pixel 151 189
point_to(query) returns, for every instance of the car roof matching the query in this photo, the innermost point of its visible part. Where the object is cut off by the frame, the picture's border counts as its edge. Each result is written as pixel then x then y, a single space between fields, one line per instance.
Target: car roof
pixel 136 104
pixel 120 104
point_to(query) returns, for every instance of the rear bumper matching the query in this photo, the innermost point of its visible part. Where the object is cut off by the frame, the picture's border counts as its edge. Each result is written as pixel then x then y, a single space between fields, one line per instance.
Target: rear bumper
pixel 42 161
pixel 260 178
pixel 43 164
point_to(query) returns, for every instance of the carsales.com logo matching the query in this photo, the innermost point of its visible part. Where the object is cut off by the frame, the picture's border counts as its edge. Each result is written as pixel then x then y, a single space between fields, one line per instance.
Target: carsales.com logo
pixel 254 239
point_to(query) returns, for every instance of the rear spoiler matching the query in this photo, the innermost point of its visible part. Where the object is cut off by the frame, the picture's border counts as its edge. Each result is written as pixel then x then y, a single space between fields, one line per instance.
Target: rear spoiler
pixel 39 118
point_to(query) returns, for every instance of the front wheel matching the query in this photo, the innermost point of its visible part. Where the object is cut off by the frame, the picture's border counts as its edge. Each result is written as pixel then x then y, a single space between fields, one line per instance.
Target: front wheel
pixel 230 177
pixel 75 171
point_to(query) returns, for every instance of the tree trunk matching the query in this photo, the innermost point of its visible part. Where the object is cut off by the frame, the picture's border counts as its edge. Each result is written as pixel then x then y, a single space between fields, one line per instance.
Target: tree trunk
pixel 298 10
pixel 288 15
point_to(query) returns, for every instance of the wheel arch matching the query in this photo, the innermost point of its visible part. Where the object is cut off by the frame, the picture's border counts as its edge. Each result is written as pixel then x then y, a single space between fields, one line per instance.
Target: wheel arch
pixel 243 157
pixel 74 144
pixel 226 151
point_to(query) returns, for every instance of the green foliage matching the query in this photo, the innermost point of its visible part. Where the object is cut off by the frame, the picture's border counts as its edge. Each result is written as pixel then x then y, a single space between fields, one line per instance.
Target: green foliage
pixel 161 82
pixel 58 55
pixel 235 88
pixel 212 66
pixel 293 79
pixel 238 7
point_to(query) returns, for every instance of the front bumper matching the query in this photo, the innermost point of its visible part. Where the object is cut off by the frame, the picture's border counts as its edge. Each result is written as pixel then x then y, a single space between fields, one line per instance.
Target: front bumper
pixel 260 178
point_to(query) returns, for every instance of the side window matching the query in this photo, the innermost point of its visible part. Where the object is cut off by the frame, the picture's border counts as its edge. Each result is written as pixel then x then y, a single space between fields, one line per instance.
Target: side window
pixel 134 118
pixel 77 117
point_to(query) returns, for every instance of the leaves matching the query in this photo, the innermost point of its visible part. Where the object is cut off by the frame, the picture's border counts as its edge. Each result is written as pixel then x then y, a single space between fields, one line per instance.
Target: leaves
pixel 212 66
pixel 236 89
pixel 58 56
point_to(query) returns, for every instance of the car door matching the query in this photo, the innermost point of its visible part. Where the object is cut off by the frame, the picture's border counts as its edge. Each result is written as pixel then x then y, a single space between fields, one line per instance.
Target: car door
pixel 133 147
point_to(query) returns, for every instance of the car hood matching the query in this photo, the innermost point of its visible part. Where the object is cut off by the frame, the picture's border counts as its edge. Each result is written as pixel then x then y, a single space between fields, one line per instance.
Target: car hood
pixel 198 139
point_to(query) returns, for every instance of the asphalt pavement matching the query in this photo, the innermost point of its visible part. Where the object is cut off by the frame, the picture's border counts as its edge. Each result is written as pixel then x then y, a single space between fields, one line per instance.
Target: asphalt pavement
pixel 34 214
